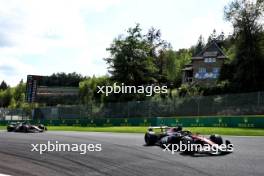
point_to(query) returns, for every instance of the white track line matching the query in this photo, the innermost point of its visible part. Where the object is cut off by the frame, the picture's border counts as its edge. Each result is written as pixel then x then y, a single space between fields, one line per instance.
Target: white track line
pixel 4 175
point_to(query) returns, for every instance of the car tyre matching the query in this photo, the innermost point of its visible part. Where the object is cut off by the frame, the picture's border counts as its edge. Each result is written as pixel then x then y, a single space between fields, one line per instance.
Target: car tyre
pixel 186 140
pixel 216 139
pixel 150 139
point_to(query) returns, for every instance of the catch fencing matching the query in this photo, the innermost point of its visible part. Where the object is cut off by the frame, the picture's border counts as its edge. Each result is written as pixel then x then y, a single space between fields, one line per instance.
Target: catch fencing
pixel 14 114
pixel 219 105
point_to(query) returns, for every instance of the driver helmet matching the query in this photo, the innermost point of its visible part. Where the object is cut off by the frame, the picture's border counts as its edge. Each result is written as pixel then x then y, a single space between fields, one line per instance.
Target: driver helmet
pixel 176 129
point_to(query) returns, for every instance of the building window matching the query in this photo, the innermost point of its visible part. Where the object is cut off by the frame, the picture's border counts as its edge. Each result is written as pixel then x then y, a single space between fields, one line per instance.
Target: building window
pixel 216 70
pixel 209 60
pixel 202 70
pixel 213 60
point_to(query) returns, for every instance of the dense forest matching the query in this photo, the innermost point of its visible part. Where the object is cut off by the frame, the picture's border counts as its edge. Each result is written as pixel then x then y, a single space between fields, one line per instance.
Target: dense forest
pixel 138 58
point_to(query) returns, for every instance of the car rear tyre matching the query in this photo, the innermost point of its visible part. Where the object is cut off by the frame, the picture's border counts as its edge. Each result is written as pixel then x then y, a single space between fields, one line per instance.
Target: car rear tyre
pixel 10 129
pixel 25 129
pixel 150 139
pixel 216 139
pixel 187 141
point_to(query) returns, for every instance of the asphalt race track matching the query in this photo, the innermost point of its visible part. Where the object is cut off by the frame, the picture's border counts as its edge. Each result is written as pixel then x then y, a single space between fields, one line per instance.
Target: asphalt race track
pixel 121 155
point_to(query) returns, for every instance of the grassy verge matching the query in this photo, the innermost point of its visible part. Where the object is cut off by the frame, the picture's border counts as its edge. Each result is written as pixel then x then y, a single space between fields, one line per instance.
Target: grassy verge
pixel 201 130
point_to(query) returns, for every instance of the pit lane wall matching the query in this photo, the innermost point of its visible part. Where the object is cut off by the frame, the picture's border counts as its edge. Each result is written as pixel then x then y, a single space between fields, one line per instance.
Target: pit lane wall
pixel 206 121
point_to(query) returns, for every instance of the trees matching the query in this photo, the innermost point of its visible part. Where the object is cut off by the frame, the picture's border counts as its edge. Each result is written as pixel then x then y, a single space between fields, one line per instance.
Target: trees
pixel 176 60
pixel 216 37
pixel 200 45
pixel 135 58
pixel 62 79
pixel 5 97
pixel 158 47
pixel 3 85
pixel 212 37
pixel 19 94
pixel 88 89
pixel 13 97
pixel 140 59
pixel 248 62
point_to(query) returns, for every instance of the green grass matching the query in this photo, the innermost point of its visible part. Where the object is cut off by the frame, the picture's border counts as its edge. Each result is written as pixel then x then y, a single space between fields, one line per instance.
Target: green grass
pixel 200 130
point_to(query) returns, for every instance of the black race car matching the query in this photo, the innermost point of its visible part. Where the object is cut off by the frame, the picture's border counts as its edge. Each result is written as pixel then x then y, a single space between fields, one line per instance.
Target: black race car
pixel 25 127
pixel 175 139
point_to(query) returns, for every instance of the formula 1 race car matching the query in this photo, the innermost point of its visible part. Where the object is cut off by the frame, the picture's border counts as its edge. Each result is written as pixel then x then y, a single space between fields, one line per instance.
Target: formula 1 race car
pixel 176 139
pixel 25 127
